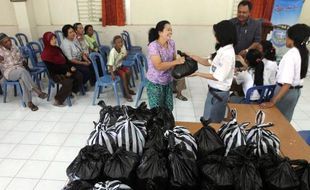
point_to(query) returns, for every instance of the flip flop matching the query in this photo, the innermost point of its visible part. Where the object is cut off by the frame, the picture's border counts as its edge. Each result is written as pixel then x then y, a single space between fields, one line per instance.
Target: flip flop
pixel 33 107
pixel 131 92
pixel 181 97
pixel 43 95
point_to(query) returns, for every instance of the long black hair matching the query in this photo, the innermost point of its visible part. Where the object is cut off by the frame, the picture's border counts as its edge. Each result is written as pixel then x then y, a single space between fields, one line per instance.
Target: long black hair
pixel 254 59
pixel 153 32
pixel 269 50
pixel 225 33
pixel 300 33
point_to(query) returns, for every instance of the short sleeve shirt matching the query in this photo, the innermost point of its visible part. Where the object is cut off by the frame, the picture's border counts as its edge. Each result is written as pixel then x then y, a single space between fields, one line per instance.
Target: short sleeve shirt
pixel 116 58
pixel 71 49
pixel 12 60
pixel 222 68
pixel 289 68
pixel 166 55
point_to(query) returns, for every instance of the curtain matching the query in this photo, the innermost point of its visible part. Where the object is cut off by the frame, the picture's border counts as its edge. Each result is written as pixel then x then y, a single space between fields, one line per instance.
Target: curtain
pixel 262 9
pixel 113 12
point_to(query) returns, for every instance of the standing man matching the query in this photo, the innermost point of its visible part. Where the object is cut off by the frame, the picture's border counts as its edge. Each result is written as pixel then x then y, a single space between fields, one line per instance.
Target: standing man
pixel 248 30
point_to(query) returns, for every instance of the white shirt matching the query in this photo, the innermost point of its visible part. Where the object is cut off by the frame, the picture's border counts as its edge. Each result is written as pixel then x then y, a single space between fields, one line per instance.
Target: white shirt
pixel 270 72
pixel 222 68
pixel 246 79
pixel 289 68
pixel 115 58
pixel 71 49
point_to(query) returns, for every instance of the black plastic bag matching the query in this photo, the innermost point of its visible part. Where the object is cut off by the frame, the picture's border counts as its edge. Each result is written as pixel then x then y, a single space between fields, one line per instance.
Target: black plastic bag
pixel 121 166
pixel 190 66
pixel 88 164
pixel 245 169
pixel 207 139
pixel 164 114
pixel 141 113
pixel 302 170
pixel 115 112
pixel 182 164
pixel 152 173
pixel 111 185
pixel 78 185
pixel 216 172
pixel 277 172
pixel 155 136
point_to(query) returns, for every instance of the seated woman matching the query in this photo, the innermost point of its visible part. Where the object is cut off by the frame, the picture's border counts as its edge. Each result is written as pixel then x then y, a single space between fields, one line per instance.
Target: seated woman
pixel 12 65
pixel 60 69
pixel 271 66
pixel 116 56
pixel 74 53
pixel 91 38
pixel 253 76
pixel 79 39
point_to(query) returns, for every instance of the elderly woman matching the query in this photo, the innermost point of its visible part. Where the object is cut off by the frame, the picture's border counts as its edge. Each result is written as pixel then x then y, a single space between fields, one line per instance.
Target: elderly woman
pixel 75 54
pixel 12 66
pixel 60 69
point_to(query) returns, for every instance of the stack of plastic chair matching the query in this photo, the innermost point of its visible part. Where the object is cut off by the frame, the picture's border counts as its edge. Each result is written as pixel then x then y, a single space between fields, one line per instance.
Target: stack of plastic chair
pixel 143 67
pixel 105 80
pixel 14 40
pixel 97 38
pixel 22 39
pixel 41 42
pixel 130 47
pixel 305 135
pixel 266 93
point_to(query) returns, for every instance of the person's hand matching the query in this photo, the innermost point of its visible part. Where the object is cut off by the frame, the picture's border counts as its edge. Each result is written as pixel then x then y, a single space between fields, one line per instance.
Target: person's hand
pixel 68 74
pixel 243 52
pixel 73 69
pixel 195 57
pixel 267 105
pixel 194 74
pixel 180 60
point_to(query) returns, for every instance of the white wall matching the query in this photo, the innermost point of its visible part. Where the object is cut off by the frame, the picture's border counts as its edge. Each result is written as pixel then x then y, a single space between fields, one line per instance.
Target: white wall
pixel 7 14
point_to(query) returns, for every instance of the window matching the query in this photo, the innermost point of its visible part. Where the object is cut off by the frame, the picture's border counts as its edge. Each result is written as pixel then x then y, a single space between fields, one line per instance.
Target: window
pixel 235 8
pixel 90 11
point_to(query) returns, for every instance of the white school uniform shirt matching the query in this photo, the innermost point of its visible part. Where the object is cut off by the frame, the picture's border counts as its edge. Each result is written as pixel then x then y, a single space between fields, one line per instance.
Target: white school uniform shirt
pixel 270 72
pixel 246 79
pixel 289 68
pixel 222 68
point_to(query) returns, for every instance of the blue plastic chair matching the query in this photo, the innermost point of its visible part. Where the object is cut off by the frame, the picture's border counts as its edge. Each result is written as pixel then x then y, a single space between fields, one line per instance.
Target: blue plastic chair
pixel 16 86
pixel 35 53
pixel 129 44
pixel 104 51
pixel 143 67
pixel 266 93
pixel 97 38
pixel 305 135
pixel 59 36
pixel 22 39
pixel 105 80
pixel 14 40
pixel 41 42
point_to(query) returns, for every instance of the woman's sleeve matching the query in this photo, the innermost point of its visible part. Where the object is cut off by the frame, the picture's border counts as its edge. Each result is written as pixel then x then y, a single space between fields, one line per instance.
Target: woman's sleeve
pixel 152 49
pixel 67 50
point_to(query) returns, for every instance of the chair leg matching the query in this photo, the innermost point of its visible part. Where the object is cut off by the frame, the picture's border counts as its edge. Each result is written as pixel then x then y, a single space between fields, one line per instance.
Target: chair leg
pixel 5 92
pixel 115 93
pixel 139 94
pixel 100 91
pixel 95 93
pixel 1 92
pixel 49 91
pixel 19 91
pixel 15 93
pixel 132 77
pixel 136 69
pixel 69 101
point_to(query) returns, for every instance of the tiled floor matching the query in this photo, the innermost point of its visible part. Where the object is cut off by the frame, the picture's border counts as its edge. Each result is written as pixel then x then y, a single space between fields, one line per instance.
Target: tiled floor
pixel 37 147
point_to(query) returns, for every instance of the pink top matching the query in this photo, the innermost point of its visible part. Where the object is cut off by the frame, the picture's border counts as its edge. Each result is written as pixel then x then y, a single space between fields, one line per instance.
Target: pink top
pixel 166 55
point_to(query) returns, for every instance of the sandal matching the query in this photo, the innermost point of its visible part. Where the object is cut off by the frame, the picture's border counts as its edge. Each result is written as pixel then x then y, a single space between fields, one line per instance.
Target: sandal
pixel 181 97
pixel 129 99
pixel 131 92
pixel 32 106
pixel 43 95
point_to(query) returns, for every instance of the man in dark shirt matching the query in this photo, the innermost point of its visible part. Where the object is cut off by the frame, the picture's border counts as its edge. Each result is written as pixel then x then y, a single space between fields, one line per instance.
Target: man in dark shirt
pixel 248 30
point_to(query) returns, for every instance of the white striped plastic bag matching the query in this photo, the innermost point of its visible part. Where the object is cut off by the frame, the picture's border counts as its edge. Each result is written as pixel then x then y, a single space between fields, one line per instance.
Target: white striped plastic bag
pixel 111 185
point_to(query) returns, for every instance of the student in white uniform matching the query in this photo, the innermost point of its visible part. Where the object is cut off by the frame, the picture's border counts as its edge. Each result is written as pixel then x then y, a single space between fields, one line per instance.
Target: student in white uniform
pixel 253 76
pixel 271 67
pixel 292 69
pixel 221 71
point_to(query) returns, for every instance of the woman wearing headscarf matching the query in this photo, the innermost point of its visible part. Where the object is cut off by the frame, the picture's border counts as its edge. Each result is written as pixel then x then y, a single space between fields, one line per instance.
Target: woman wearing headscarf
pixel 60 69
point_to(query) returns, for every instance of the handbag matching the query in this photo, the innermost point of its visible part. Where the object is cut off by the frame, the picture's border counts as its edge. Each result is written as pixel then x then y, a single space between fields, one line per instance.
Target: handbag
pixel 189 67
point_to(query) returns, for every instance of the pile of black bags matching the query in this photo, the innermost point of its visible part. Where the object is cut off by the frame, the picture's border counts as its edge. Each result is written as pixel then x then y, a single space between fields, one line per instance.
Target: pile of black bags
pixel 142 149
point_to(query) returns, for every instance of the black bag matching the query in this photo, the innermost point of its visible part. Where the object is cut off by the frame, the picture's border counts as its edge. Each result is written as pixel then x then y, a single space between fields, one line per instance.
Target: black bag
pixel 302 170
pixel 111 185
pixel 115 112
pixel 121 166
pixel 207 139
pixel 152 173
pixel 278 173
pixel 155 136
pixel 261 137
pixel 164 114
pixel 182 164
pixel 141 113
pixel 189 67
pixel 245 169
pixel 216 172
pixel 78 185
pixel 88 164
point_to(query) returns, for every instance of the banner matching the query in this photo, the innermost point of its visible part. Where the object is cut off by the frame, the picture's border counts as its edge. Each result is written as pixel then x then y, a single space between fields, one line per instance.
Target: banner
pixel 285 13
